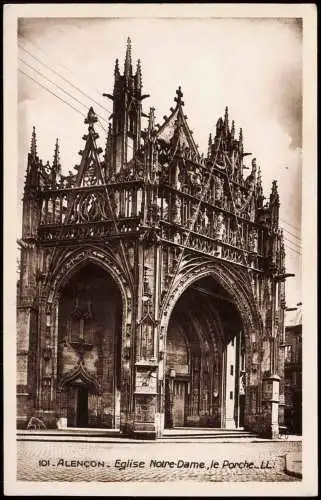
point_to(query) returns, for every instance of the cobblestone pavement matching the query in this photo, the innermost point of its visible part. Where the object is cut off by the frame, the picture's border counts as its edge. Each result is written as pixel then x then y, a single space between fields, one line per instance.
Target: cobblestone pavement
pixel 114 461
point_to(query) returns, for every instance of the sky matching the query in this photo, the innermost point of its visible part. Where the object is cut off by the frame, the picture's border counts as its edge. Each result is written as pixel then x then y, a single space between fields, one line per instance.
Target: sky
pixel 253 66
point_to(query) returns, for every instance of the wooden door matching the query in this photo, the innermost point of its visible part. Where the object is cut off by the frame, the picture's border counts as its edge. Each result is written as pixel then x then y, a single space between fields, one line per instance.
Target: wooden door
pixel 71 406
pixel 82 407
pixel 179 403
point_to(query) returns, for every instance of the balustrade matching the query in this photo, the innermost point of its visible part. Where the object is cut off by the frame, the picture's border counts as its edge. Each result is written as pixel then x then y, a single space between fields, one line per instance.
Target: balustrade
pixel 89 213
pixel 88 205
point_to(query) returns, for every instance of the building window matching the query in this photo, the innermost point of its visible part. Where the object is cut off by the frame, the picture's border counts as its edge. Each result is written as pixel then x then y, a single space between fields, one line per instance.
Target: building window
pixel 130 148
pixel 231 394
pixel 288 353
pixel 232 370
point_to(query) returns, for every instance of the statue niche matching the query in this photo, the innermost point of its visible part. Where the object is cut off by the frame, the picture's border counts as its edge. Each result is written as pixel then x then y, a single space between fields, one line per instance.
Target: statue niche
pixel 88 317
pixel 80 322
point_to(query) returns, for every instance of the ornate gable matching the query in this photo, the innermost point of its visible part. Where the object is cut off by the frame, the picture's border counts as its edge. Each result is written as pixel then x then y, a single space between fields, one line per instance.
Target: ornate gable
pixel 175 130
pixel 90 169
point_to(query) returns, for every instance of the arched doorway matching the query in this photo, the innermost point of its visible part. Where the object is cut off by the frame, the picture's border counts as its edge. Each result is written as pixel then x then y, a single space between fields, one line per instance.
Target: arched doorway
pixel 89 349
pixel 205 360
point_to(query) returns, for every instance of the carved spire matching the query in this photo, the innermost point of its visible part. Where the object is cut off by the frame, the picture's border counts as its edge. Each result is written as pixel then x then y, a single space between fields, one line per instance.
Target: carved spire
pixel 178 98
pixel 219 125
pixel 259 181
pixel 33 146
pixel 108 147
pixel 259 189
pixel 254 168
pixel 210 142
pixel 151 119
pixel 233 129
pixel 56 160
pixel 274 196
pixel 116 70
pixel 139 75
pixel 226 127
pixel 274 205
pixel 128 59
pixel 241 141
pixel 32 175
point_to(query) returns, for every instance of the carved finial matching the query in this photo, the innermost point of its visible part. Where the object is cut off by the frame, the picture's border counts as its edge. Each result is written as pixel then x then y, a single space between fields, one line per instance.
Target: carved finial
pixel 56 164
pixel 128 59
pixel 139 74
pixel 274 196
pixel 274 192
pixel 33 147
pixel 254 166
pixel 179 94
pixel 210 142
pixel 226 119
pixel 233 129
pixel 241 141
pixel 219 124
pixel 91 117
pixel 116 70
pixel 259 188
pixel 259 178
pixel 108 143
pixel 151 119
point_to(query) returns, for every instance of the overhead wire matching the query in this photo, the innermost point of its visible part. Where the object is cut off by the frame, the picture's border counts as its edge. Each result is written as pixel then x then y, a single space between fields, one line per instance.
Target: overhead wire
pixel 290 224
pixel 57 96
pixel 55 84
pixel 299 247
pixel 289 232
pixel 292 249
pixel 54 71
pixel 100 119
pixel 51 92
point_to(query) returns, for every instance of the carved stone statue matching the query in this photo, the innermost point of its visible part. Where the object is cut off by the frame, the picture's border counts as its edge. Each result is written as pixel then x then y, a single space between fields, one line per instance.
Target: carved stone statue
pixel 177 219
pixel 237 198
pixel 253 241
pixel 219 191
pixel 220 227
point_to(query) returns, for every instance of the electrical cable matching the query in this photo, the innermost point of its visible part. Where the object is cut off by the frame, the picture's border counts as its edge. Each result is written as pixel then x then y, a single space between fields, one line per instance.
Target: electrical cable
pixel 54 71
pixel 56 85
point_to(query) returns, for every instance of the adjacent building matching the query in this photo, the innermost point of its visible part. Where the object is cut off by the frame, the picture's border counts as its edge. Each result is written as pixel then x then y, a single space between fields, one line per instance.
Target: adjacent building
pixel 293 375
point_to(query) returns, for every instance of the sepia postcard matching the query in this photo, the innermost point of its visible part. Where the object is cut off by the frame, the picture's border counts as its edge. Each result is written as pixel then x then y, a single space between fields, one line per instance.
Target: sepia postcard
pixel 160 250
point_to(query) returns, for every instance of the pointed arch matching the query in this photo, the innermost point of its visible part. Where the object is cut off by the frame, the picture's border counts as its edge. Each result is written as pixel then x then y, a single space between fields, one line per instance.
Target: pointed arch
pixel 80 372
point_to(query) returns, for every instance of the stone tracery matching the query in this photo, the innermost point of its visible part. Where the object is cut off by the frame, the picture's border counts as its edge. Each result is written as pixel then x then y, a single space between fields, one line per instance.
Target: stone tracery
pixel 152 201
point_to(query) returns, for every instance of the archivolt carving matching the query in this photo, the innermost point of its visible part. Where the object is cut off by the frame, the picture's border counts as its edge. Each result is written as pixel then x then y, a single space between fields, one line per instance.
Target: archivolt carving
pixel 70 262
pixel 235 282
pixel 80 372
pixel 75 260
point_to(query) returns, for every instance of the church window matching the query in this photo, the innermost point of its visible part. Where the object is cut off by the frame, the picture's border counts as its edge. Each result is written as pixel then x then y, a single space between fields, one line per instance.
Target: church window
pixel 130 148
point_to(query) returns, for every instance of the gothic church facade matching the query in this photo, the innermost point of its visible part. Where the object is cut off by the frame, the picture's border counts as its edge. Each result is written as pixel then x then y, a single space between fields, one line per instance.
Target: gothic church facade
pixel 151 291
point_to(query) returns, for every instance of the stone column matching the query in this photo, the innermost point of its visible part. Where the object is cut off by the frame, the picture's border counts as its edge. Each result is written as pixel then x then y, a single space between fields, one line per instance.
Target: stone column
pixel 271 387
pixel 230 385
pixel 146 415
pixel 26 361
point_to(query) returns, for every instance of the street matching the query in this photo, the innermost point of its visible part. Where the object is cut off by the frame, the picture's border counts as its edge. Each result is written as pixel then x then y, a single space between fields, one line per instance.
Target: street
pixel 48 459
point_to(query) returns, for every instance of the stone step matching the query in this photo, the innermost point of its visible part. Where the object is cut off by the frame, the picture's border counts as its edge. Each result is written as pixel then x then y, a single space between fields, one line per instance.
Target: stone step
pixel 101 435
